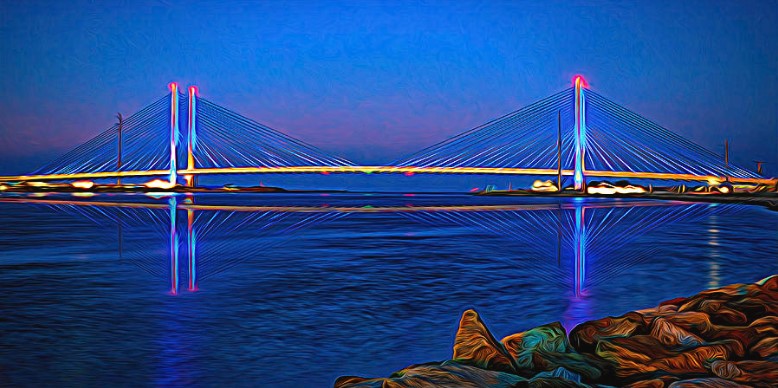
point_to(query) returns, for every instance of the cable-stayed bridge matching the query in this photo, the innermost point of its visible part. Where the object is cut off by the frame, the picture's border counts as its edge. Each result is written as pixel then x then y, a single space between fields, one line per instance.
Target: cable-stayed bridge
pixel 574 133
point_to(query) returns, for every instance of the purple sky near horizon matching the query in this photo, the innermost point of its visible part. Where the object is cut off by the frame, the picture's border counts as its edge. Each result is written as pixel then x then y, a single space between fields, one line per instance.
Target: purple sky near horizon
pixel 374 82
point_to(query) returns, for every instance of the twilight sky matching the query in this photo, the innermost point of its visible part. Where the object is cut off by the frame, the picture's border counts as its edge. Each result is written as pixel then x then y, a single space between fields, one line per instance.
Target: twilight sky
pixel 374 82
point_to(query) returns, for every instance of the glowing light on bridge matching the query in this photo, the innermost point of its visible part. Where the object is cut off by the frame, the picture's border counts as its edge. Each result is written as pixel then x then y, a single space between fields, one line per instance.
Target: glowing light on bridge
pixel 610 189
pixel 581 79
pixel 544 186
pixel 159 184
pixel 83 184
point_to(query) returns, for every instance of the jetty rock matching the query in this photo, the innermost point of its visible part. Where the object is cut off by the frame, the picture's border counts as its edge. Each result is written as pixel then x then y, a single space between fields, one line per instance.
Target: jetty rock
pixel 445 374
pixel 724 337
pixel 475 345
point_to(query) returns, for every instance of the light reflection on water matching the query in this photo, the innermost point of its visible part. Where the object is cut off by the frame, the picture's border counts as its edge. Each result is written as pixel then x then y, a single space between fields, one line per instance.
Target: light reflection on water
pixel 714 254
pixel 294 290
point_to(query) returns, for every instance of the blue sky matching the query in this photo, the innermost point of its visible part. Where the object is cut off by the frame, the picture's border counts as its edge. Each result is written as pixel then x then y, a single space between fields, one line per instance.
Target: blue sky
pixel 373 82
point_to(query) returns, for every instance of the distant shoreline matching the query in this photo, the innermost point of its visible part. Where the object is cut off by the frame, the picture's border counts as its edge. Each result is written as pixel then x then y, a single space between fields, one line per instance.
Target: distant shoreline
pixel 768 200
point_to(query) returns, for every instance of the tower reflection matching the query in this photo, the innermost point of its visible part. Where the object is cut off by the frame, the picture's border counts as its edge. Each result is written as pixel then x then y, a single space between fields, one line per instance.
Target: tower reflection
pixel 190 245
pixel 173 246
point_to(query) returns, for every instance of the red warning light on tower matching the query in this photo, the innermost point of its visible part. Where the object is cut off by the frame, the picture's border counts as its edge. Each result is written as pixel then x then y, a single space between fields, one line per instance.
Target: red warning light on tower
pixel 580 78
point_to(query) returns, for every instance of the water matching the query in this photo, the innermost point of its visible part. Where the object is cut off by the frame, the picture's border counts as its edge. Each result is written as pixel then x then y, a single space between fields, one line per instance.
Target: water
pixel 295 290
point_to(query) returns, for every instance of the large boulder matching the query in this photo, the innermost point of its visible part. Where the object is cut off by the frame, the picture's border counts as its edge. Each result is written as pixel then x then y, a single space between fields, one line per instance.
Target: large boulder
pixel 523 346
pixel 754 373
pixel 554 382
pixel 672 336
pixel 475 345
pixel 659 382
pixel 705 382
pixel 766 348
pixel 446 374
pixel 546 348
pixel 584 337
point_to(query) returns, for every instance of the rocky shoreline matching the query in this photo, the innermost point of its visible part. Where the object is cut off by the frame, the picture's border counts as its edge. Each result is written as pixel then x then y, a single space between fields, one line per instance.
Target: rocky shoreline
pixel 767 199
pixel 725 337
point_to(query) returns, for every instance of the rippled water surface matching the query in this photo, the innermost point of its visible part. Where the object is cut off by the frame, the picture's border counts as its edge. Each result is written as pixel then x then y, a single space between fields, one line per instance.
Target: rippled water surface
pixel 295 290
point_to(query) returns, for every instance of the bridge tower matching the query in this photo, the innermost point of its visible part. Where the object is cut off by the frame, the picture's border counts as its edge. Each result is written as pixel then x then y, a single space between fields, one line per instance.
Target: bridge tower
pixel 579 178
pixel 173 132
pixel 191 136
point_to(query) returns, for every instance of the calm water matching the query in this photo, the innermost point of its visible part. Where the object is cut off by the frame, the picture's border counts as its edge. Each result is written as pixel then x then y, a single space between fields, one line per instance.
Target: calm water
pixel 295 290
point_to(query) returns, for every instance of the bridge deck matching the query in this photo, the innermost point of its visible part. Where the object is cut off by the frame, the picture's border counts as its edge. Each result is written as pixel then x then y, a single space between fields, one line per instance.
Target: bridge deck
pixel 382 170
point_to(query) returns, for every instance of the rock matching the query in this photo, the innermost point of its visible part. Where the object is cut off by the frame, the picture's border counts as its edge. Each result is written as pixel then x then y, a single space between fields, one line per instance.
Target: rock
pixel 708 382
pixel 358 382
pixel 695 360
pixel 661 311
pixel 727 337
pixel 699 324
pixel 769 284
pixel 673 336
pixel 694 322
pixel 765 349
pixel 521 346
pixel 585 336
pixel 639 357
pixel 721 313
pixel 730 292
pixel 475 345
pixel 589 367
pixel 737 304
pixel 674 302
pixel 761 329
pixel 546 348
pixel 560 372
pixel 446 374
pixel 754 373
pixel 554 382
pixel 642 349
pixel 653 383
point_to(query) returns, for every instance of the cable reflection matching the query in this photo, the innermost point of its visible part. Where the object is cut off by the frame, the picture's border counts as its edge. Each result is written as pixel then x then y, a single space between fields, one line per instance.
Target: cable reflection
pixel 563 239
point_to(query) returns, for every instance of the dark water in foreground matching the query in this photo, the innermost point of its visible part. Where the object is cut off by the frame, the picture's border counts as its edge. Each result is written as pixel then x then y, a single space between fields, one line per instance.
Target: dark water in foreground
pixel 295 290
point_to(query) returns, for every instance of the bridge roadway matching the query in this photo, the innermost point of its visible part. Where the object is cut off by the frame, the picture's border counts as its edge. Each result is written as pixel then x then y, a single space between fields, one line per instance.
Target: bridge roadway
pixel 383 170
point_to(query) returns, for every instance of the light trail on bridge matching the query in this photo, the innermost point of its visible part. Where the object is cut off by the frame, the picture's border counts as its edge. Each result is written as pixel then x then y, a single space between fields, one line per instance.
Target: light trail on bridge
pixel 385 170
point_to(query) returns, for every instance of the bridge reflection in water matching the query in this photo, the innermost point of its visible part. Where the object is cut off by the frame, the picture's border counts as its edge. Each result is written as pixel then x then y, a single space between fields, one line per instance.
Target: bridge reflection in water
pixel 579 242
